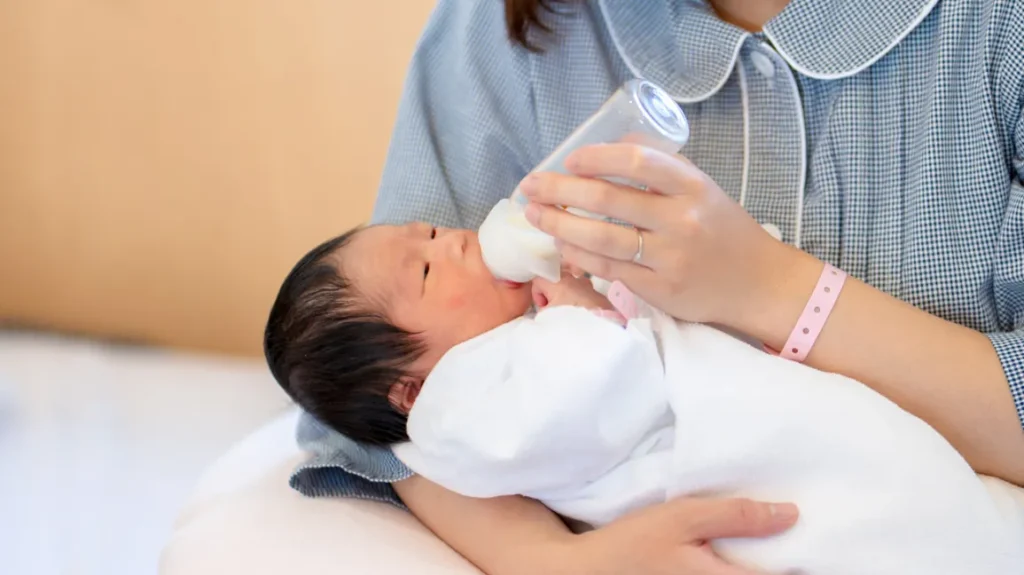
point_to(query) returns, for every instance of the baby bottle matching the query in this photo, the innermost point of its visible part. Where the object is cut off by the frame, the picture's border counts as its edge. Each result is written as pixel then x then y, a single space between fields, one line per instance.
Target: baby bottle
pixel 638 112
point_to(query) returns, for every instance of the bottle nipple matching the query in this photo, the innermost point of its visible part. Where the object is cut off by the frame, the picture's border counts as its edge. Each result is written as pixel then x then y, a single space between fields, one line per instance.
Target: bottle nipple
pixel 514 250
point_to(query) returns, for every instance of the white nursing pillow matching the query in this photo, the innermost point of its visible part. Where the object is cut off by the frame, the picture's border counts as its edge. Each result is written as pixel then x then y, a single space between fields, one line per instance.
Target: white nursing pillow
pixel 244 518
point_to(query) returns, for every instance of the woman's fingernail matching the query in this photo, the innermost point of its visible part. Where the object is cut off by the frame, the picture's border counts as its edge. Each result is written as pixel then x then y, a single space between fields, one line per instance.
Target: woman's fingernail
pixel 572 162
pixel 784 512
pixel 529 184
pixel 532 213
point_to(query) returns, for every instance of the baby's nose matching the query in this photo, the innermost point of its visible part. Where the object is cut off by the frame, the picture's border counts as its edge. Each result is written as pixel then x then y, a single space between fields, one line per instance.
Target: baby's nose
pixel 454 241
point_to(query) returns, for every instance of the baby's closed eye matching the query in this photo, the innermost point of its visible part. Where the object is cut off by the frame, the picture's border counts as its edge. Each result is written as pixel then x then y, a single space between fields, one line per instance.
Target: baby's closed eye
pixel 426 265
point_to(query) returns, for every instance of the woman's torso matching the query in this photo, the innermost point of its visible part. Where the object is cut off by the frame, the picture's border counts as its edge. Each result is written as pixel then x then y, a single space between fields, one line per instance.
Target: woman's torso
pixel 891 159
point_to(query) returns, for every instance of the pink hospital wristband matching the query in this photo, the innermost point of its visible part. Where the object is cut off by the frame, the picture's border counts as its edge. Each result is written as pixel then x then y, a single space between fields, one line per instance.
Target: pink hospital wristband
pixel 815 314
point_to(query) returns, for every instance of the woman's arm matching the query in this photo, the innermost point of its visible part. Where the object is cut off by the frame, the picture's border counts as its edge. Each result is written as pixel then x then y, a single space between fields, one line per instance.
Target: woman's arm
pixel 500 535
pixel 513 535
pixel 946 374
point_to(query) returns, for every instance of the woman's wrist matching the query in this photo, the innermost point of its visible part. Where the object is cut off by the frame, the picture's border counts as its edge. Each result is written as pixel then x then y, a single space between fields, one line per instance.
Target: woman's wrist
pixel 570 554
pixel 587 553
pixel 783 283
pixel 590 553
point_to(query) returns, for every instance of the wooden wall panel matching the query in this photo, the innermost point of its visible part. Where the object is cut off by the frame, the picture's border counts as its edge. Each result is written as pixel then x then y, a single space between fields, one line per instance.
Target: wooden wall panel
pixel 163 163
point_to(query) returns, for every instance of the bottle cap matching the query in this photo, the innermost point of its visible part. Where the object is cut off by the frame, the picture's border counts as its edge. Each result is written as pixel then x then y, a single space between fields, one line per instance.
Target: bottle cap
pixel 662 112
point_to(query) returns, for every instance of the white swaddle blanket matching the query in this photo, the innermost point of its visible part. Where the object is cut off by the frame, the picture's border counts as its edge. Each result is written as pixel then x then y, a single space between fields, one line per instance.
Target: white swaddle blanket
pixel 596 420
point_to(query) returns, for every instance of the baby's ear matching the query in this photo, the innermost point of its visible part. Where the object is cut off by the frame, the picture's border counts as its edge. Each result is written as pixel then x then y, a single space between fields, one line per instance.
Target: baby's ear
pixel 403 393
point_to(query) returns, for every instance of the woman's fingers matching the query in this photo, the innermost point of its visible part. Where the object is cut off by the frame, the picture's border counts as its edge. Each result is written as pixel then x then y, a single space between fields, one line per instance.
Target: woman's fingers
pixel 615 201
pixel 739 518
pixel 609 240
pixel 669 174
pixel 673 537
pixel 607 268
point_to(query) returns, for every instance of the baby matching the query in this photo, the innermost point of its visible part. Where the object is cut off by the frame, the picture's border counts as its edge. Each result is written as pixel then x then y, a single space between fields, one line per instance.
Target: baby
pixel 400 336
pixel 363 318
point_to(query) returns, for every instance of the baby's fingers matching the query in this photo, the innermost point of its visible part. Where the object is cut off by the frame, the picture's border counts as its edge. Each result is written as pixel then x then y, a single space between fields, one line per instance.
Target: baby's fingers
pixel 540 290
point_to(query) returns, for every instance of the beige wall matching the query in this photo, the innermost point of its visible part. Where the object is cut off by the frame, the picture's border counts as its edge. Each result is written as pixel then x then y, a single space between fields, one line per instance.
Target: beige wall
pixel 164 162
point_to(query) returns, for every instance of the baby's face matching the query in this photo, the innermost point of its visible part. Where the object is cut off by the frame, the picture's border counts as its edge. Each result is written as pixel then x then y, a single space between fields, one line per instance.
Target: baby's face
pixel 432 281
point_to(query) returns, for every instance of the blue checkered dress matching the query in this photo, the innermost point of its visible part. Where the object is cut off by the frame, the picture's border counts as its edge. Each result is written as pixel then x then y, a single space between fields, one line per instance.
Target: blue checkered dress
pixel 883 136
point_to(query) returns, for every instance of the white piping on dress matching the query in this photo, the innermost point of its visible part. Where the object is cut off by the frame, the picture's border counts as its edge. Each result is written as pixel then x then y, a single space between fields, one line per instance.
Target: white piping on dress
pixel 744 99
pixel 636 72
pixel 798 231
pixel 839 75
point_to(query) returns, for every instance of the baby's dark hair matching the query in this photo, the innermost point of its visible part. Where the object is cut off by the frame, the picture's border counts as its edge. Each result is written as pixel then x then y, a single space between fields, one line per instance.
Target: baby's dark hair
pixel 333 354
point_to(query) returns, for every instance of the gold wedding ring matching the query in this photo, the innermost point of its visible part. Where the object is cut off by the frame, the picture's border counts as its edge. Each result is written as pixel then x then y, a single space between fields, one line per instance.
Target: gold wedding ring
pixel 639 245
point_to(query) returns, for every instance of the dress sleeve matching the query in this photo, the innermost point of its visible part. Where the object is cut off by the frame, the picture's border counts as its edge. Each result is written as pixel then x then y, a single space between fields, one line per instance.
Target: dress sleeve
pixel 1008 283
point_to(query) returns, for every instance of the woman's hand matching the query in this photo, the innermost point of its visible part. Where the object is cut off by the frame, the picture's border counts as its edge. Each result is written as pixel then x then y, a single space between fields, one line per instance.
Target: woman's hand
pixel 704 258
pixel 514 535
pixel 672 538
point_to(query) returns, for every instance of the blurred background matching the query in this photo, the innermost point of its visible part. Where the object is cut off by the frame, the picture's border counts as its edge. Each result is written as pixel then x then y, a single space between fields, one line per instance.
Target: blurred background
pixel 162 164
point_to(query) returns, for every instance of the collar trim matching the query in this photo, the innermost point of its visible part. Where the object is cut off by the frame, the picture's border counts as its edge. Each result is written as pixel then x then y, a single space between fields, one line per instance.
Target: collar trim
pixel 684 47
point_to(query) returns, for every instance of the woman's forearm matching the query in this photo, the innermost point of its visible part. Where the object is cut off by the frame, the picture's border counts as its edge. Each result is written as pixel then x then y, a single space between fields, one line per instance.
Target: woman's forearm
pixel 513 535
pixel 944 373
pixel 505 535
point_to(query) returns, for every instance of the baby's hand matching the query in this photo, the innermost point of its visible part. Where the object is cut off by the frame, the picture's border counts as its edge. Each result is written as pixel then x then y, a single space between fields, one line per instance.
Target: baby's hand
pixel 569 291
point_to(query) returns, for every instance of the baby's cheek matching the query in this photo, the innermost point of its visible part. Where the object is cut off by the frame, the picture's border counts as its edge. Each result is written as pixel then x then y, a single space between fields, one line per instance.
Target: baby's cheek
pixel 468 295
pixel 455 302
